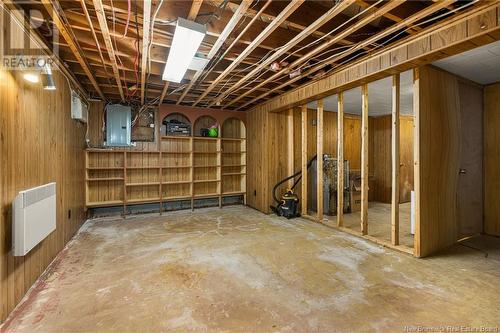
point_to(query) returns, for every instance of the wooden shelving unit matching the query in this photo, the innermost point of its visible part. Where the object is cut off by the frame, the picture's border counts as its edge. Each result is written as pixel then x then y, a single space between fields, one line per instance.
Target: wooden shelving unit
pixel 183 168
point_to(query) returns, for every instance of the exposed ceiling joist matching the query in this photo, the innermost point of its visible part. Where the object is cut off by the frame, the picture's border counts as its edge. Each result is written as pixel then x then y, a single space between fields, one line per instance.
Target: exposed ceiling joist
pixel 53 9
pixel 408 21
pixel 259 39
pixel 238 14
pixel 146 25
pixel 101 16
pixel 330 14
pixel 370 16
pixel 195 8
pixel 193 12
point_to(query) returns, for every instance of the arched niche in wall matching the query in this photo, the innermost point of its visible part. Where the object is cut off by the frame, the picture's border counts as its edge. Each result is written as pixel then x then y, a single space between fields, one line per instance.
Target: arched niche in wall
pixel 204 122
pixel 233 128
pixel 174 116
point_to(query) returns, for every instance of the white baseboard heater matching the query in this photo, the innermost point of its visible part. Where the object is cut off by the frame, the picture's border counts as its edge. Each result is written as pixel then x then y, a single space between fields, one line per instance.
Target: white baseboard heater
pixel 34 217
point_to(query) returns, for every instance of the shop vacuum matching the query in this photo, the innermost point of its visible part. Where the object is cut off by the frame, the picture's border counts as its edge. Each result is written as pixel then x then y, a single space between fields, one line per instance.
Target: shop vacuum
pixel 288 206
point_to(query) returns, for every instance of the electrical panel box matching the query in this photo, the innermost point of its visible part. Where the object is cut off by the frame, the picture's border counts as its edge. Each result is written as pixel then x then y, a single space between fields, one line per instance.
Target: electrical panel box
pixel 79 110
pixel 118 125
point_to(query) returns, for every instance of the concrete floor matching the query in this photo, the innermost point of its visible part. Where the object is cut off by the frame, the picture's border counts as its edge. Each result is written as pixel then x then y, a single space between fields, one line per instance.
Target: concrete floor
pixel 379 222
pixel 237 270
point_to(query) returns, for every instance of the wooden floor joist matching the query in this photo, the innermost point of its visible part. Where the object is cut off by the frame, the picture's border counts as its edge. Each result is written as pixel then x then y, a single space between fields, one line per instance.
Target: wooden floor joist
pixel 249 49
pixel 324 46
pixel 103 24
pixel 329 15
pixel 52 7
pixel 477 26
pixel 231 25
pixel 336 57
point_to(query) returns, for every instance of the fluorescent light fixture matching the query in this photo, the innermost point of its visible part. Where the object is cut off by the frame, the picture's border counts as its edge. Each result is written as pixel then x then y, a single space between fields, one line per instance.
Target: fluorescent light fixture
pixel 47 78
pixel 31 77
pixel 188 36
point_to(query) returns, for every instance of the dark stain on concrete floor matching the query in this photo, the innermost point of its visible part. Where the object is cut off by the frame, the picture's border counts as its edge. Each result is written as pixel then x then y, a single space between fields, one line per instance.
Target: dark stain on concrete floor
pixel 237 270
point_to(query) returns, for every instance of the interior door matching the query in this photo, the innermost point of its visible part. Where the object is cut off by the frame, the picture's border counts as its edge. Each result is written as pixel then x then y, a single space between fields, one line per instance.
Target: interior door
pixel 470 179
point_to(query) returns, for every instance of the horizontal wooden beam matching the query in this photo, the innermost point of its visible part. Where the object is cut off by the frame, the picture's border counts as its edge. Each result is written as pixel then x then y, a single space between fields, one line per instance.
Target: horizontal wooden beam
pixel 470 29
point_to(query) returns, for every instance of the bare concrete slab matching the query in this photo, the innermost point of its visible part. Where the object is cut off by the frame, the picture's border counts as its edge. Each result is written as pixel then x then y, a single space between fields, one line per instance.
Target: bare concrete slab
pixel 237 270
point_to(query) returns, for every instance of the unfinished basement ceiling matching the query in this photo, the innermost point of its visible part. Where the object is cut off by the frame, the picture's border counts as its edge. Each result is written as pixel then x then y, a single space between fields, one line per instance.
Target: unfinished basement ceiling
pixel 379 98
pixel 481 65
pixel 105 43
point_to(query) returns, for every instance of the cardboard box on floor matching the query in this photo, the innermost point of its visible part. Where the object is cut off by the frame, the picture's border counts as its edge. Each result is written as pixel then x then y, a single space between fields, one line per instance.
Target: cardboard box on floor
pixel 355 191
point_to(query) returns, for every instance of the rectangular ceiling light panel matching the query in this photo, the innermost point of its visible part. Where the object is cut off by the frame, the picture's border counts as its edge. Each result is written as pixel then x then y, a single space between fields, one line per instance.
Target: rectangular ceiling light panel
pixel 188 36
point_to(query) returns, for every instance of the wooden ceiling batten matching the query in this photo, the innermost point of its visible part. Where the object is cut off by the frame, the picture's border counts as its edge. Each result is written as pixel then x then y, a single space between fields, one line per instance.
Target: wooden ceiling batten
pixel 408 21
pixel 101 16
pixel 334 11
pixel 53 9
pixel 344 33
pixel 238 14
pixel 259 39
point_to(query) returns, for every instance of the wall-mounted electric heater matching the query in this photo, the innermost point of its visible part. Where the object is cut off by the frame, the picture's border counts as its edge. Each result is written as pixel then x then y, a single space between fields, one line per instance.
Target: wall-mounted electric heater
pixel 34 217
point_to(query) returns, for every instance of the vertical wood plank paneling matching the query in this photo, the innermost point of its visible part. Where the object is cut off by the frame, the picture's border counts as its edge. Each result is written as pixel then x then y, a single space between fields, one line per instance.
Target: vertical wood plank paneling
pixel 319 152
pixel 40 144
pixel 340 160
pixel 304 156
pixel 492 159
pixel 364 160
pixel 439 126
pixel 416 160
pixel 395 159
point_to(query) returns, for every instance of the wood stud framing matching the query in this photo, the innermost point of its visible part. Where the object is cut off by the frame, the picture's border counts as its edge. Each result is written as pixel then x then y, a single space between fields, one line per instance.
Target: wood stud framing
pixel 319 160
pixel 340 160
pixel 364 159
pixel 395 159
pixel 303 199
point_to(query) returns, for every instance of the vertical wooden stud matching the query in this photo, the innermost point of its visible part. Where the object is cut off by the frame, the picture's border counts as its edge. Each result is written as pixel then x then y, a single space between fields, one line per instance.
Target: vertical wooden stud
pixel 290 146
pixel 416 159
pixel 364 160
pixel 304 160
pixel 395 159
pixel 125 181
pixel 319 169
pixel 191 175
pixel 161 180
pixel 219 169
pixel 340 160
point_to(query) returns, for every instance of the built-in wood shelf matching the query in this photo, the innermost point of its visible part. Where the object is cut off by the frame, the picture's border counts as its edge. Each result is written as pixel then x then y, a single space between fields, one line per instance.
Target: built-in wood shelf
pixel 136 177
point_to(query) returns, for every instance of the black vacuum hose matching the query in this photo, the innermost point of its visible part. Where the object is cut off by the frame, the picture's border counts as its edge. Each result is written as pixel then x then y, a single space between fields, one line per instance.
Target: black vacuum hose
pixel 290 177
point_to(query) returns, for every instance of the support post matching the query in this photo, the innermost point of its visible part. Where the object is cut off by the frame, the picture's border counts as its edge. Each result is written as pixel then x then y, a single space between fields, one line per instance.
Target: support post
pixel 340 160
pixel 290 146
pixel 319 151
pixel 416 159
pixel 364 160
pixel 395 159
pixel 304 161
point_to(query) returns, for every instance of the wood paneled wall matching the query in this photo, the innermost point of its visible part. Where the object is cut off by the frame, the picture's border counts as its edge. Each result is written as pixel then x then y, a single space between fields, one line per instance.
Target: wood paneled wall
pixel 381 157
pixel 40 143
pixel 492 159
pixel 268 160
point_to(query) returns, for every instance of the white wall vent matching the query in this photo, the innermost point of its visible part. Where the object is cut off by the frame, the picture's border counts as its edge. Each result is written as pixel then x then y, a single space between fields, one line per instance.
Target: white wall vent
pixel 79 110
pixel 34 217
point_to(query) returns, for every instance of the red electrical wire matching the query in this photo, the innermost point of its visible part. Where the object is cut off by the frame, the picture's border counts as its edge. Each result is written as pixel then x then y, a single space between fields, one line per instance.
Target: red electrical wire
pixel 129 10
